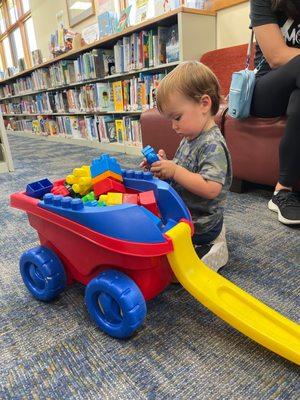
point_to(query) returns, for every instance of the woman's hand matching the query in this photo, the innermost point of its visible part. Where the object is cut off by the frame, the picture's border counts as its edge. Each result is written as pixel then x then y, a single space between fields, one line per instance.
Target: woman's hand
pixel 164 169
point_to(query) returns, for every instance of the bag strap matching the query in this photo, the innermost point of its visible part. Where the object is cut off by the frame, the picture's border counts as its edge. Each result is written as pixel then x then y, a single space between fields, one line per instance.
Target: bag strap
pixel 249 52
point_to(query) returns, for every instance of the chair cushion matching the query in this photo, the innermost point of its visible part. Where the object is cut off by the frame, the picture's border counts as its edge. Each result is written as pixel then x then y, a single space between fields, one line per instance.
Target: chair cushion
pixel 254 146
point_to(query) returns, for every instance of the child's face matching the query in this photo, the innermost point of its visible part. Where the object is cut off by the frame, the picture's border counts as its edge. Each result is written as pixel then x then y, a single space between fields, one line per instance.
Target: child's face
pixel 189 117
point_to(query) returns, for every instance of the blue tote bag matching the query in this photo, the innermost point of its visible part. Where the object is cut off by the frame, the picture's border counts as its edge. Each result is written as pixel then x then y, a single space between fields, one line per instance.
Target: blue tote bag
pixel 241 88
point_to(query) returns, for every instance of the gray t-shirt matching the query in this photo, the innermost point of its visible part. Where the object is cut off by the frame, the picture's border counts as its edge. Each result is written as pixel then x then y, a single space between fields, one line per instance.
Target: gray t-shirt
pixel 261 13
pixel 207 155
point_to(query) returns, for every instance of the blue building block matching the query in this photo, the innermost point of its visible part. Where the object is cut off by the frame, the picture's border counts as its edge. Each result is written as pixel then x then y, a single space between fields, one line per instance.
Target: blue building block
pixel 124 221
pixel 39 188
pixel 150 154
pixel 105 163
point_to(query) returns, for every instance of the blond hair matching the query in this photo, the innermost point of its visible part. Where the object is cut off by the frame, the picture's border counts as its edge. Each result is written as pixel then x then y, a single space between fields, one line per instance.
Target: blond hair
pixel 192 79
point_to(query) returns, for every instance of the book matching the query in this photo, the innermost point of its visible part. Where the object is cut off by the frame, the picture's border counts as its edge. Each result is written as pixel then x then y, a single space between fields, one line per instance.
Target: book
pixel 36 127
pixel 118 96
pixel 106 23
pixel 119 130
pixel 162 33
pixel 110 129
pixel 124 19
pixel 103 96
pixel 172 44
pixel 141 11
pixel 90 34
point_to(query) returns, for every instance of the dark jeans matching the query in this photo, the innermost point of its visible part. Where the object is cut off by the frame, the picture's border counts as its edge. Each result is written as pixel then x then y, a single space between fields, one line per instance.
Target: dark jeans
pixel 278 93
pixel 208 237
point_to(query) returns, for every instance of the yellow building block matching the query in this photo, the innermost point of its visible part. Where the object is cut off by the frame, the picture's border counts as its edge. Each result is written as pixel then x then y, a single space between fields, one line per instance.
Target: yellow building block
pixel 111 198
pixel 80 180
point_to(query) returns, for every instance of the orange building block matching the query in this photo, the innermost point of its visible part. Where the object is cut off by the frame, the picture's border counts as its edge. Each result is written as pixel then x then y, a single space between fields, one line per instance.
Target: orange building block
pixel 147 200
pixel 107 174
pixel 108 185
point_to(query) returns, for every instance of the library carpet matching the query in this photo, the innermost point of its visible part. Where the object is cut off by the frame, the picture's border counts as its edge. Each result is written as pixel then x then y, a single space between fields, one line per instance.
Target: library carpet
pixel 54 351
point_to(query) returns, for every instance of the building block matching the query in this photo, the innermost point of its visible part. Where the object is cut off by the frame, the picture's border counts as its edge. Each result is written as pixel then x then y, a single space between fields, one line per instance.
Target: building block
pixel 147 200
pixel 93 203
pixel 89 197
pixel 80 180
pixel 108 185
pixel 39 188
pixel 107 174
pixel 60 189
pixel 150 154
pixel 103 164
pixel 130 198
pixel 112 198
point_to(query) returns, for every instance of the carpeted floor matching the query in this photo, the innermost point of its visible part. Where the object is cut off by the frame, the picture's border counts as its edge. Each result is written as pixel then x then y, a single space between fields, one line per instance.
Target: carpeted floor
pixel 54 351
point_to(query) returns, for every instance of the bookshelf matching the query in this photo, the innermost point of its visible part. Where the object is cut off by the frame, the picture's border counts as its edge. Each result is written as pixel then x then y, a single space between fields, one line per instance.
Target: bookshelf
pixel 44 99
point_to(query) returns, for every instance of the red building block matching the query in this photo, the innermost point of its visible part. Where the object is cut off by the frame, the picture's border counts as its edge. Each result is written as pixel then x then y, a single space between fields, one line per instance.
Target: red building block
pixel 60 189
pixel 147 200
pixel 108 185
pixel 130 198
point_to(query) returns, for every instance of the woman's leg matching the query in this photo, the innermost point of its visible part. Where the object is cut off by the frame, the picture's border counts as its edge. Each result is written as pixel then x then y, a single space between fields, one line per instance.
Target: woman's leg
pixel 278 93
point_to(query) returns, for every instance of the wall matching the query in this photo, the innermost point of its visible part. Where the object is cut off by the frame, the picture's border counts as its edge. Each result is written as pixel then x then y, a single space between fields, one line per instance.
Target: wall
pixel 233 25
pixel 44 20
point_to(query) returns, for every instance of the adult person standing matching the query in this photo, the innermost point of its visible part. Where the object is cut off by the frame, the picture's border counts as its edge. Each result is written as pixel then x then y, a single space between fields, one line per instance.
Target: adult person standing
pixel 276 24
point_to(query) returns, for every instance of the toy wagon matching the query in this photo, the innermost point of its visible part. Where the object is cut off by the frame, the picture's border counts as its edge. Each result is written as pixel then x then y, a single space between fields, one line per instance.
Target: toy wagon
pixel 128 252
pixel 118 251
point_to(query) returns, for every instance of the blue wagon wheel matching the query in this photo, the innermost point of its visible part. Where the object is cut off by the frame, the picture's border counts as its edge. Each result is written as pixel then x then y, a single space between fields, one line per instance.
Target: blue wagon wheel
pixel 42 273
pixel 115 303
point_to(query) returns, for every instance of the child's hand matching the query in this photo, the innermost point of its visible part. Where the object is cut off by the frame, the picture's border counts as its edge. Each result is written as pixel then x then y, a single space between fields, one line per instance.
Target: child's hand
pixel 162 154
pixel 144 165
pixel 163 169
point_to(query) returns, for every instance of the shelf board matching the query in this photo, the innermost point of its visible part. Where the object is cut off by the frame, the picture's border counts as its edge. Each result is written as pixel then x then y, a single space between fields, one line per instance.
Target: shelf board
pixel 88 81
pixel 77 113
pixel 115 147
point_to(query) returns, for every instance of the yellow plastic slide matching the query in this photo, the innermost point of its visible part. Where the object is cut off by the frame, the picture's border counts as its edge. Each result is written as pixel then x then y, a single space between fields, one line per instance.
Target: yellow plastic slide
pixel 232 304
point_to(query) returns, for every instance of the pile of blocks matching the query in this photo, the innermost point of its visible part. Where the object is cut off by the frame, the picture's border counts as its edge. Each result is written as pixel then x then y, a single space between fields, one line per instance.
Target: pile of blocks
pixel 100 184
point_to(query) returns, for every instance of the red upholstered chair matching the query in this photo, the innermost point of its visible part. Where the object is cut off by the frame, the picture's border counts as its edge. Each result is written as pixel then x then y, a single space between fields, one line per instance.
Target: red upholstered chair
pixel 253 142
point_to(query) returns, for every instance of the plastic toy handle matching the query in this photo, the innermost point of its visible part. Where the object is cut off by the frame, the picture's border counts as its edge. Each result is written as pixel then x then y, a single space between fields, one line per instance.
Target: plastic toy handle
pixel 229 302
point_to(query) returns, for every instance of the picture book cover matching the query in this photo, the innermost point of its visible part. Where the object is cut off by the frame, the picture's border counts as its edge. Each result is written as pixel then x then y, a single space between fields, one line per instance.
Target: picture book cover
pixel 110 129
pixel 162 33
pixel 141 11
pixel 172 44
pixel 119 130
pixel 106 23
pixel 103 95
pixel 118 96
pixel 124 19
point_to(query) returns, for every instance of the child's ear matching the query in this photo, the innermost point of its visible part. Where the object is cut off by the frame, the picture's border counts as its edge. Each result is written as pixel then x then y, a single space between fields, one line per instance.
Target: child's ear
pixel 205 101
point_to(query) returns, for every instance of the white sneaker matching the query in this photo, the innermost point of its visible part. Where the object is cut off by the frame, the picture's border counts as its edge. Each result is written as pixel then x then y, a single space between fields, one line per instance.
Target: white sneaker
pixel 217 256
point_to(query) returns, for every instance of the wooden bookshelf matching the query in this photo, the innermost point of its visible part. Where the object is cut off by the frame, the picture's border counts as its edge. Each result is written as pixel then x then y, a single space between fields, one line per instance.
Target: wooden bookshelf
pixel 192 23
